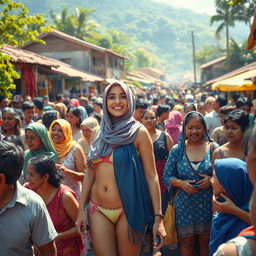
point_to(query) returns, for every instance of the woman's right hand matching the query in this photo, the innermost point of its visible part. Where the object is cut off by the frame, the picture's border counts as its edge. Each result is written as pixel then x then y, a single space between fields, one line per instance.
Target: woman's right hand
pixel 186 185
pixel 81 222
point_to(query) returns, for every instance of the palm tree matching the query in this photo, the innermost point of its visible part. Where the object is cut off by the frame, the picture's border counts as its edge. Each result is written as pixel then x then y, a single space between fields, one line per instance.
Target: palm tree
pixel 77 24
pixel 239 55
pixel 226 15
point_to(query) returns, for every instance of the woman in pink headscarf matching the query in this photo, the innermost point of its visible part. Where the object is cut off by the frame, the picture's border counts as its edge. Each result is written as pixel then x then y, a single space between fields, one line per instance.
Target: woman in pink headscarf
pixel 173 125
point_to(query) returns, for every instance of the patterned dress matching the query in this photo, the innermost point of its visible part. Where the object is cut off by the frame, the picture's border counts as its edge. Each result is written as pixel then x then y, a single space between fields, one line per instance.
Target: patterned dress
pixel 69 162
pixel 193 212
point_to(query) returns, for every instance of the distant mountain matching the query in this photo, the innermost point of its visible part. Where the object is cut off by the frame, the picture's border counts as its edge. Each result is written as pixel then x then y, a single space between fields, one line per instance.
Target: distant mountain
pixel 161 28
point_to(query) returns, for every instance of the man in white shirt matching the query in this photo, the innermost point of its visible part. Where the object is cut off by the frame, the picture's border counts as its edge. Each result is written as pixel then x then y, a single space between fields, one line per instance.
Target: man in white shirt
pixel 24 219
pixel 212 118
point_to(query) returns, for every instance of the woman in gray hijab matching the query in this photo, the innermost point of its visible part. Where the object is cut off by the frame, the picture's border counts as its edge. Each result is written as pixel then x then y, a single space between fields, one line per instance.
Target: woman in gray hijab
pixel 121 182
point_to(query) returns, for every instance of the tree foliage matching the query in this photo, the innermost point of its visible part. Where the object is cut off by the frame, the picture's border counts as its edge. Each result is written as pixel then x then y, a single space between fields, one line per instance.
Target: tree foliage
pixel 78 24
pixel 226 15
pixel 208 53
pixel 15 30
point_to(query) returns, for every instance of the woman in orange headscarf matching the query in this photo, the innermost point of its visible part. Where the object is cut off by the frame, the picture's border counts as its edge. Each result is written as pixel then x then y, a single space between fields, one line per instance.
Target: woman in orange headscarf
pixel 70 154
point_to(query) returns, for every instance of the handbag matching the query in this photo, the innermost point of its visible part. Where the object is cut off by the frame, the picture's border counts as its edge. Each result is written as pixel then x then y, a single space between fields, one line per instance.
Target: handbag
pixel 170 223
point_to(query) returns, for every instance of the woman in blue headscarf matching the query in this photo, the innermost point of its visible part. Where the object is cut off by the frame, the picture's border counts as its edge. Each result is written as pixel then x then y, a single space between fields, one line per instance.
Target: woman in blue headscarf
pixel 121 183
pixel 230 181
pixel 189 169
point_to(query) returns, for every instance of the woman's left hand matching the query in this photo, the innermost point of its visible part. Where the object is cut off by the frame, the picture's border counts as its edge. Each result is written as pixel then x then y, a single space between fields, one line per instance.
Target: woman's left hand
pixel 159 231
pixel 205 182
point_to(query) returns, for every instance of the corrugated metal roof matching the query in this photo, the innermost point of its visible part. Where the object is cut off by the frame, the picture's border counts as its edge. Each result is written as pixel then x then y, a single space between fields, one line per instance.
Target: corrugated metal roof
pixel 216 61
pixel 22 56
pixel 26 57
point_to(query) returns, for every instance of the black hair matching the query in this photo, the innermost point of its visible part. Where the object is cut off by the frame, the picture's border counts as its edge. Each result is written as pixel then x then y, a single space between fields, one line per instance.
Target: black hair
pixel 97 117
pixel 89 109
pixel 59 96
pixel 194 114
pixel 242 101
pixel 235 97
pixel 27 105
pixel 162 109
pixel 239 117
pixel 148 110
pixel 45 165
pixel 222 100
pixel 2 97
pixel 141 96
pixel 75 111
pixel 155 100
pixel 141 103
pixel 11 161
pixel 15 140
pixel 225 110
pixel 189 104
pixel 48 117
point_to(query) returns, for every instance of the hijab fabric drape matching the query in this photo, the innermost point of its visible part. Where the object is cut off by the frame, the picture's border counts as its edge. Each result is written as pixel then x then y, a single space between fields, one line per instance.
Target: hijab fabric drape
pixel 233 176
pixel 62 148
pixel 173 125
pixel 115 131
pixel 46 148
pixel 90 123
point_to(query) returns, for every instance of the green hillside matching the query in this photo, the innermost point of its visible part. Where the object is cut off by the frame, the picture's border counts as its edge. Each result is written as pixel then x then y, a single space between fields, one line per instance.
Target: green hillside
pixel 159 28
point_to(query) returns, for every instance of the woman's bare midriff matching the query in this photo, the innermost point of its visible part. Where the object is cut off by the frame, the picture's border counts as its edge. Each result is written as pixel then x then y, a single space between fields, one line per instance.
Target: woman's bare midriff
pixel 104 190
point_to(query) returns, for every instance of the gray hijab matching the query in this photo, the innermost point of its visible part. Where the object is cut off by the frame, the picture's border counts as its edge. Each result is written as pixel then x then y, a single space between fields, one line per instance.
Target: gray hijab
pixel 115 131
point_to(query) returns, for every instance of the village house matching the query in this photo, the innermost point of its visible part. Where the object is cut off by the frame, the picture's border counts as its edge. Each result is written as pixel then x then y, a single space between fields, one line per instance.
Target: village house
pixel 87 57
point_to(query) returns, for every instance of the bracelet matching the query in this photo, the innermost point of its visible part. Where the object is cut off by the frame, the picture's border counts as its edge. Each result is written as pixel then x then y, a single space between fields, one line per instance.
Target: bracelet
pixel 159 215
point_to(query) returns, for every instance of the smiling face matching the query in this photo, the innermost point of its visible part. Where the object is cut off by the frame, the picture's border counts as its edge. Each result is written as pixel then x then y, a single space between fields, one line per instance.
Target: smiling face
pixel 33 141
pixel 57 134
pixel 149 120
pixel 194 129
pixel 233 131
pixel 116 101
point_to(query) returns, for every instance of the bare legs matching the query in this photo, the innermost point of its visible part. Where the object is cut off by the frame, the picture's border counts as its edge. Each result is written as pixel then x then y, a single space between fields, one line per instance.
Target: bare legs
pixel 109 239
pixel 187 244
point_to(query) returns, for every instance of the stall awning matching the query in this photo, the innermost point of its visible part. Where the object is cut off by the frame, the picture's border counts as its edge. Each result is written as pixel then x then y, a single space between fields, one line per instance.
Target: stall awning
pixel 236 83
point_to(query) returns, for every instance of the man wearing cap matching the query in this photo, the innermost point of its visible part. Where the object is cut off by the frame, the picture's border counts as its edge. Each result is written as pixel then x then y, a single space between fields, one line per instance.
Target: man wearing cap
pixel 17 101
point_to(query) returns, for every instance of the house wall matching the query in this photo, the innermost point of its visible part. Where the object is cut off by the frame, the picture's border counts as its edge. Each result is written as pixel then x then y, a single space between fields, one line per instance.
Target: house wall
pixel 82 57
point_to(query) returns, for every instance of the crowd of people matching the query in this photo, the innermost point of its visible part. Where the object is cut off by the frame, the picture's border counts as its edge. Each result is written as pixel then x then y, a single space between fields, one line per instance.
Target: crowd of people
pixel 98 173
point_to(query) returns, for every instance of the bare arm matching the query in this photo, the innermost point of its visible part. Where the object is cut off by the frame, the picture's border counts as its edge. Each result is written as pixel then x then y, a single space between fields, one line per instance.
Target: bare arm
pixel 48 249
pixel 145 147
pixel 88 181
pixel 215 155
pixel 71 207
pixel 79 163
pixel 169 141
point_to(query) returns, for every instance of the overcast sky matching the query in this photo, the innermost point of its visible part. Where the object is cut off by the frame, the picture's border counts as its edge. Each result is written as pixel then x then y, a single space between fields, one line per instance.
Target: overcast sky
pixel 202 6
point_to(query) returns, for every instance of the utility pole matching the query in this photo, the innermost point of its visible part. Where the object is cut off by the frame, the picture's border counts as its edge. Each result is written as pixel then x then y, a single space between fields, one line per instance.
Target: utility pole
pixel 194 56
